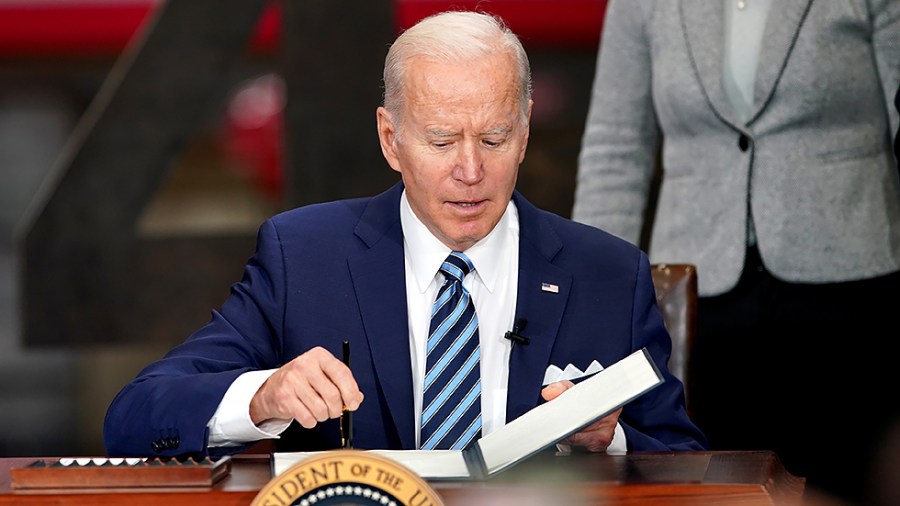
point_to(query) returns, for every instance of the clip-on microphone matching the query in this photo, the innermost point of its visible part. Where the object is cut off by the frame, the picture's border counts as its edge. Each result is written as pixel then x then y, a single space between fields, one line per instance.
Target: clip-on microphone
pixel 514 336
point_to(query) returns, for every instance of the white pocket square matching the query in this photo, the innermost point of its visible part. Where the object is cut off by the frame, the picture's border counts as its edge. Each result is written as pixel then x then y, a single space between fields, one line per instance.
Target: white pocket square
pixel 554 373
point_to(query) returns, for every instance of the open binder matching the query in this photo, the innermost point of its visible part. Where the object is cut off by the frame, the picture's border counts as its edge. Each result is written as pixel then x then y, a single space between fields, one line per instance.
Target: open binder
pixel 545 425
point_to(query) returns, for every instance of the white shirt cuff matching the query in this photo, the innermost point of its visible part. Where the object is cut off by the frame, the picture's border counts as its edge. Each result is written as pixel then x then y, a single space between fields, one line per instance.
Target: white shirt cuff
pixel 230 425
pixel 619 445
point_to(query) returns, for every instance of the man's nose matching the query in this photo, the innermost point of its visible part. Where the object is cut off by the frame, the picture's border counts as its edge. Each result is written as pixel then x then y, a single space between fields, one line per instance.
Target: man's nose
pixel 469 166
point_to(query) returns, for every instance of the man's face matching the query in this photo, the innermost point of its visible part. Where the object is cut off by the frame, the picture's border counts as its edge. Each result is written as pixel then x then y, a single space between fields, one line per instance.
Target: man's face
pixel 460 145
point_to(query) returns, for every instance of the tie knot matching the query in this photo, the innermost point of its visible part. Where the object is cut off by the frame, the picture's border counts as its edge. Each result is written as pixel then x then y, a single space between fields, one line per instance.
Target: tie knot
pixel 457 265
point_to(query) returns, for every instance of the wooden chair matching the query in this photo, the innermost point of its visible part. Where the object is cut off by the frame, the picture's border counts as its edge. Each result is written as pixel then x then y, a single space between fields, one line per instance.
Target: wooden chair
pixel 676 295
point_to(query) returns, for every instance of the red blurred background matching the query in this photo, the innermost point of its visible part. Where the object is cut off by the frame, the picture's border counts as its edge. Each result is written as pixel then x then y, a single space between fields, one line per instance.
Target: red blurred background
pixel 251 130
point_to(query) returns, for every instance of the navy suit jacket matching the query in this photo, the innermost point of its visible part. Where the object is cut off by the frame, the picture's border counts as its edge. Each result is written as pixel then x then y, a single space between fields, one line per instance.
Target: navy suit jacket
pixel 330 272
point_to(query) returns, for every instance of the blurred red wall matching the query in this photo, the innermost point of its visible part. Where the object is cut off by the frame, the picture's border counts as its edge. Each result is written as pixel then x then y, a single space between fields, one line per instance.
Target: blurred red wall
pixel 102 28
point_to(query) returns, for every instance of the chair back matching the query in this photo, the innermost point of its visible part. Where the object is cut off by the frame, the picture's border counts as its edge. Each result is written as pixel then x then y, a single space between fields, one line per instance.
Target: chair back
pixel 676 295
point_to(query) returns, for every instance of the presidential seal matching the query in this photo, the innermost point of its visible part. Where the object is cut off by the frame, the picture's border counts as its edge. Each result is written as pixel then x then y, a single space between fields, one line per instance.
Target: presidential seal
pixel 347 478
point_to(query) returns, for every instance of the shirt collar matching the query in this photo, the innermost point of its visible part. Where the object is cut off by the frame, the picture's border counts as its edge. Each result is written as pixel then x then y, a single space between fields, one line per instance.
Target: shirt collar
pixel 425 253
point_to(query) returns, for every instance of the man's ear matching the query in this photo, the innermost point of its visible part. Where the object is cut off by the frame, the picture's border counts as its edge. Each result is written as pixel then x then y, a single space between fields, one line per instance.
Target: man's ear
pixel 527 131
pixel 387 137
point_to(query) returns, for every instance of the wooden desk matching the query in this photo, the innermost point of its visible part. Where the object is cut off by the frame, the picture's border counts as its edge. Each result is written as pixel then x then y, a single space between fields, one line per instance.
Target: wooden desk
pixel 660 479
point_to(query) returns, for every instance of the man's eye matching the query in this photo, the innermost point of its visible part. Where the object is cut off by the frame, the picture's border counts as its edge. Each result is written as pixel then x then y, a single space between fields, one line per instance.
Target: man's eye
pixel 440 145
pixel 492 143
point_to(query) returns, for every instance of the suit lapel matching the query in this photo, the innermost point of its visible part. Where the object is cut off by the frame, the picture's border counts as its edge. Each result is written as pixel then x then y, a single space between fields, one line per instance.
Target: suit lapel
pixel 703 25
pixel 379 279
pixel 782 26
pixel 542 295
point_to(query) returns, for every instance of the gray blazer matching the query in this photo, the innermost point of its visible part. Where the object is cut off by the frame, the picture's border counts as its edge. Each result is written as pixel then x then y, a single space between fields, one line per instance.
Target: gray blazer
pixel 814 163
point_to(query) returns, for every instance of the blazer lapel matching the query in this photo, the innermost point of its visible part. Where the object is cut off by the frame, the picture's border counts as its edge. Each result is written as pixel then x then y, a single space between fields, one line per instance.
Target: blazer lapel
pixel 782 25
pixel 542 295
pixel 703 25
pixel 897 135
pixel 379 279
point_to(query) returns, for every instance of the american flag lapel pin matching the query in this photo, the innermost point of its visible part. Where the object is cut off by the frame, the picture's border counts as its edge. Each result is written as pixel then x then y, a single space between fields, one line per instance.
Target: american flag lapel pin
pixel 549 287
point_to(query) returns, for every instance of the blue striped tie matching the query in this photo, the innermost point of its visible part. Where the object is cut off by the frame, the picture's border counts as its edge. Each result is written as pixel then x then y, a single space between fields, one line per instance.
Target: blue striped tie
pixel 451 412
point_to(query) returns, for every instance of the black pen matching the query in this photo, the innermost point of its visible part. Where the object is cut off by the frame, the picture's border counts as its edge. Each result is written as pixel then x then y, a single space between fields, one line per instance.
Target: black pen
pixel 346 414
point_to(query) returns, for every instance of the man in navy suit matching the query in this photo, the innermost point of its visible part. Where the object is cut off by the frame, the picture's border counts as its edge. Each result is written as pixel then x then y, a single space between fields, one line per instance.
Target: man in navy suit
pixel 454 125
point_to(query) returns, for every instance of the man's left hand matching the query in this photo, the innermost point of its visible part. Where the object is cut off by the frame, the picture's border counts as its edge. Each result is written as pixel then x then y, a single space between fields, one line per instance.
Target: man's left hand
pixel 597 436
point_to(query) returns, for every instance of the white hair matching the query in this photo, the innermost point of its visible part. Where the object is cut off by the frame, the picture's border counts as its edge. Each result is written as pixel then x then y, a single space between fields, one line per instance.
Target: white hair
pixel 455 36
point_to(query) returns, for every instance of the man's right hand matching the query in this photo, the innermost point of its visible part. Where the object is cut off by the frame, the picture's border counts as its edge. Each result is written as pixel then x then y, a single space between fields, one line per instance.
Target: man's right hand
pixel 312 388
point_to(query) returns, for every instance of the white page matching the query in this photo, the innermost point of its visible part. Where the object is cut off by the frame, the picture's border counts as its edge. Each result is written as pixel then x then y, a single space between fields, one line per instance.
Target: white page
pixel 574 409
pixel 430 464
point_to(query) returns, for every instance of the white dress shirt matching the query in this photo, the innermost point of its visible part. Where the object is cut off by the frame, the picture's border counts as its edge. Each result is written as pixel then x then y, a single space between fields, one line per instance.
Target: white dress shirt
pixel 743 39
pixel 493 290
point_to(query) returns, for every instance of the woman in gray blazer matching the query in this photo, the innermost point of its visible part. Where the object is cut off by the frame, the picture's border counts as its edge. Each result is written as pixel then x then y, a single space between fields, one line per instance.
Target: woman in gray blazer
pixel 773 122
